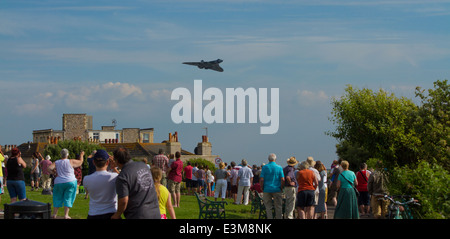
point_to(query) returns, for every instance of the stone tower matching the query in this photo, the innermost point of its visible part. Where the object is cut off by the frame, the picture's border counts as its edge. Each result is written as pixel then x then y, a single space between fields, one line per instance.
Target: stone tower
pixel 76 126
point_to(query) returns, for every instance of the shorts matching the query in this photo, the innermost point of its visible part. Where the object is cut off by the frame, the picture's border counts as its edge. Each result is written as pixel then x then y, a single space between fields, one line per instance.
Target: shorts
pixel 194 183
pixel 34 176
pixel 305 198
pixel 188 183
pixel 364 198
pixel 174 187
pixel 64 194
pixel 201 183
pixel 16 188
pixel 234 188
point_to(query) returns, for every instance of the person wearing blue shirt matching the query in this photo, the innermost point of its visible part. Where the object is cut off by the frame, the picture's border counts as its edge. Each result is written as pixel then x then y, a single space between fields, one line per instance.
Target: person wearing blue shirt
pixel 272 182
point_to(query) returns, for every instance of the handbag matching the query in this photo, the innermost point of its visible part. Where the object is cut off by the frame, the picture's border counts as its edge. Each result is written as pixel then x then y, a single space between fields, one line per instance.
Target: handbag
pixel 353 186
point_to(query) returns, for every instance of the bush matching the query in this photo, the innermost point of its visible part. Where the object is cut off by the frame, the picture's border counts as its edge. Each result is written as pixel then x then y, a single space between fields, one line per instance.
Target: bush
pixel 74 147
pixel 203 162
pixel 426 182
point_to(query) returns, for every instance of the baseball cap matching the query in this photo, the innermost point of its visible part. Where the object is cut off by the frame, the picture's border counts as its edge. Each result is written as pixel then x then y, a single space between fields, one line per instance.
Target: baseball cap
pixel 101 155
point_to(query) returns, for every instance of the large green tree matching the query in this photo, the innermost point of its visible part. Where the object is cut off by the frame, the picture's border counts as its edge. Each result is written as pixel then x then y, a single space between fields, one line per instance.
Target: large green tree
pixel 411 140
pixel 353 153
pixel 379 122
pixel 433 123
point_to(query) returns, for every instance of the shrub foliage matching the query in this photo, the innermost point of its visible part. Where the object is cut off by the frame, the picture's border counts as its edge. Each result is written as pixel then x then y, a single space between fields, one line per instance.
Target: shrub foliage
pixel 411 140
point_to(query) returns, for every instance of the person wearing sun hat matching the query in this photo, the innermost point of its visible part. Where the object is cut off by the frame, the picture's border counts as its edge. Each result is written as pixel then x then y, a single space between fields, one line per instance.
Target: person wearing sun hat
pixel 46 180
pixel 101 186
pixel 290 185
pixel 312 163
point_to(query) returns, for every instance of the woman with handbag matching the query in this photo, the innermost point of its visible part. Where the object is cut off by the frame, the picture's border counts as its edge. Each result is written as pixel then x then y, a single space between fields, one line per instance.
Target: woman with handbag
pixel 347 202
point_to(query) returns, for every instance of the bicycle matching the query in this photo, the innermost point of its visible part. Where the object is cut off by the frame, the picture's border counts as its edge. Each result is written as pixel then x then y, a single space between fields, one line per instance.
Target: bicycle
pixel 400 209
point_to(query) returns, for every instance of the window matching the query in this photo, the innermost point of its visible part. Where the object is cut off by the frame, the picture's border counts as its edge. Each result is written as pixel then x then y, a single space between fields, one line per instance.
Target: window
pixel 146 138
pixel 96 136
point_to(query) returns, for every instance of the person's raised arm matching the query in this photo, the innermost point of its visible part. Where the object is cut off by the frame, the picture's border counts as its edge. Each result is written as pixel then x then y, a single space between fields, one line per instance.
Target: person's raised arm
pixel 77 162
pixel 21 162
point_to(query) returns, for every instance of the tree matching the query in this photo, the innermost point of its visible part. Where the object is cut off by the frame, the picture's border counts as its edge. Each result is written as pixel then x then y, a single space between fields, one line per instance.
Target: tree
pixel 203 162
pixel 411 140
pixel 433 123
pixel 426 182
pixel 352 153
pixel 379 122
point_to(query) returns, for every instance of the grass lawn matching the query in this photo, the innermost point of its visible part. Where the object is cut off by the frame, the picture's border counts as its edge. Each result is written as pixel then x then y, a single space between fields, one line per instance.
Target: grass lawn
pixel 188 210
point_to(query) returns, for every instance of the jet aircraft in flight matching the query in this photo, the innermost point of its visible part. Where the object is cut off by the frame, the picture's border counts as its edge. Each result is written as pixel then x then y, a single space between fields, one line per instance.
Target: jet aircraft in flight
pixel 212 65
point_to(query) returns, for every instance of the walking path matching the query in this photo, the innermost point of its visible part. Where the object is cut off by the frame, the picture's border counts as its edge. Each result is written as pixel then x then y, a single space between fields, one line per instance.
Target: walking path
pixel 330 213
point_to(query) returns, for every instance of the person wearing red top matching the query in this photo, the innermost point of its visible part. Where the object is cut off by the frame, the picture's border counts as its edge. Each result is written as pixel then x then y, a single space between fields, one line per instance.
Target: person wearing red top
pixel 256 187
pixel 187 171
pixel 174 179
pixel 362 176
pixel 307 182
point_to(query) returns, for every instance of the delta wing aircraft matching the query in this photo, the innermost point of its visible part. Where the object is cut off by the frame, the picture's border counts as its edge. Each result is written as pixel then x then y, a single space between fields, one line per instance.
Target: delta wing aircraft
pixel 212 65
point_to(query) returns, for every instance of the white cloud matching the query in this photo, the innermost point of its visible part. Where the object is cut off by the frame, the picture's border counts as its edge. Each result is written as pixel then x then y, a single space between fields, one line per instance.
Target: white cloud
pixel 111 96
pixel 46 95
pixel 124 89
pixel 310 98
pixel 162 94
pixel 108 96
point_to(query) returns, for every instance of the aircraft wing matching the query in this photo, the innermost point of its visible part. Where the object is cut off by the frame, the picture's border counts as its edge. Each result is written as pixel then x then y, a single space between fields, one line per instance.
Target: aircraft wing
pixel 216 67
pixel 192 63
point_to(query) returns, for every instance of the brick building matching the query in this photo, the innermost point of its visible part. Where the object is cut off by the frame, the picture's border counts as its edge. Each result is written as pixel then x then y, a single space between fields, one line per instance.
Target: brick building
pixel 79 127
pixel 138 141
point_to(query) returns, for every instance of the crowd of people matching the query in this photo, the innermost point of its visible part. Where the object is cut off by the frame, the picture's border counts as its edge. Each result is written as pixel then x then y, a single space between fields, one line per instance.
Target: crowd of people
pixel 303 189
pixel 118 186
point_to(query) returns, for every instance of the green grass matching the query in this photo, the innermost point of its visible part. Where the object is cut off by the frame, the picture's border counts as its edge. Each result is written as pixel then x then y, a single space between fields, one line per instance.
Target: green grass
pixel 188 210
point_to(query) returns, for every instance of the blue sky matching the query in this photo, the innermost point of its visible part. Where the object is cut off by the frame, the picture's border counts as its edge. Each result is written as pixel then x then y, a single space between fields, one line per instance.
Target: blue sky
pixel 122 59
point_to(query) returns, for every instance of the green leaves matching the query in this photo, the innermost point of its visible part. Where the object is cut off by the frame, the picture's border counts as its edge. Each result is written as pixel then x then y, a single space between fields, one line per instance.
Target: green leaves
pixel 377 121
pixel 412 141
pixel 426 182
pixel 74 147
